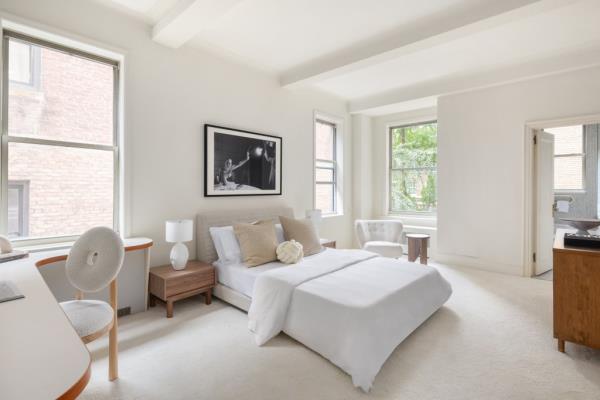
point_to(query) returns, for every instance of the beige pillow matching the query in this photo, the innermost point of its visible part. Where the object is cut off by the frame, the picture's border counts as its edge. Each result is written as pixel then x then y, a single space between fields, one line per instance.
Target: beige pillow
pixel 302 231
pixel 258 242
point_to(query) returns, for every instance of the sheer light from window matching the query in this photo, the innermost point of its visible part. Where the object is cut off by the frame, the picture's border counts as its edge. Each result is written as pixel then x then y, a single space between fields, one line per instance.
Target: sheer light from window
pixel 61 142
pixel 569 157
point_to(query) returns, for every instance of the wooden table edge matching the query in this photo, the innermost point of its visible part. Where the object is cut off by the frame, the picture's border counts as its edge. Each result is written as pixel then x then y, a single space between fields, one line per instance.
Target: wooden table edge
pixel 63 257
pixel 75 390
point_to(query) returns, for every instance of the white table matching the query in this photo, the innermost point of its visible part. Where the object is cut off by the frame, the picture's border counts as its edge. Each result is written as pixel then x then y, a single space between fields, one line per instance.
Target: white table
pixel 42 357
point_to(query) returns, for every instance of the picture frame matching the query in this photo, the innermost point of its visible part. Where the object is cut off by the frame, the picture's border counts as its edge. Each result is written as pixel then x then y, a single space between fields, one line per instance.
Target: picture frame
pixel 241 163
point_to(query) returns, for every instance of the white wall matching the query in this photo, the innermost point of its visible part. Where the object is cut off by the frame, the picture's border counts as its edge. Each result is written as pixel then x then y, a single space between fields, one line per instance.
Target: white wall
pixel 481 167
pixel 361 165
pixel 169 96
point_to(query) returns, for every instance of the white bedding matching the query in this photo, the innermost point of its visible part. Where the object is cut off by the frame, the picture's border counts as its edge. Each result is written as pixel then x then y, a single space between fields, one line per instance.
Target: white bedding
pixel 239 277
pixel 351 306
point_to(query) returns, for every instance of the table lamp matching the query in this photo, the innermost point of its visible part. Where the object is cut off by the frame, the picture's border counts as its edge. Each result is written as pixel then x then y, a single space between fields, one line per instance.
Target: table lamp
pixel 179 231
pixel 315 216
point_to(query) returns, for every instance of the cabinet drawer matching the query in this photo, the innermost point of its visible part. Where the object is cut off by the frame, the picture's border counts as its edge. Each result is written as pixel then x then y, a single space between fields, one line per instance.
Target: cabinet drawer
pixel 188 282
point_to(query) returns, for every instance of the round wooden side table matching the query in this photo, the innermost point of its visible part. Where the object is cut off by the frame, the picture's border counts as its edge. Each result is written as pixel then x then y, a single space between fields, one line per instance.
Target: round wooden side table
pixel 417 246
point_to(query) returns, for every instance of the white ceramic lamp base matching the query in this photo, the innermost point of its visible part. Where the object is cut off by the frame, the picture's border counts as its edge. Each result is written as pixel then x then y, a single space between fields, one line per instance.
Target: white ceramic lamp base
pixel 179 256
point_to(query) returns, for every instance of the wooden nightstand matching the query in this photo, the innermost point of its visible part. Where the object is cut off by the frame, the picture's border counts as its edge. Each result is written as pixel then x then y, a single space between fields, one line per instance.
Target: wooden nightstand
pixel 328 243
pixel 170 285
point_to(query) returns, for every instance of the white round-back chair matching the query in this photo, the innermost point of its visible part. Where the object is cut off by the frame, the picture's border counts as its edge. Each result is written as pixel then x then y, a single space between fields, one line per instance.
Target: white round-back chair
pixel 92 264
pixel 380 236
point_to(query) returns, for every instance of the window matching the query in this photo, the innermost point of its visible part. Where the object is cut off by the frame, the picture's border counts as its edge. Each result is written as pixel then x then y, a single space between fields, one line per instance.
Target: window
pixel 24 65
pixel 59 147
pixel 413 168
pixel 569 158
pixel 326 167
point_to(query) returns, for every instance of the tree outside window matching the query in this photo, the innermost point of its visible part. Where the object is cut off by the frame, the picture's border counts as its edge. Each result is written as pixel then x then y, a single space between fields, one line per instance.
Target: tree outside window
pixel 413 168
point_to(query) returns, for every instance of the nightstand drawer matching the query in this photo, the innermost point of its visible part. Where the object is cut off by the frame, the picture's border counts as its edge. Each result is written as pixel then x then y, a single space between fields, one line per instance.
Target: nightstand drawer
pixel 189 282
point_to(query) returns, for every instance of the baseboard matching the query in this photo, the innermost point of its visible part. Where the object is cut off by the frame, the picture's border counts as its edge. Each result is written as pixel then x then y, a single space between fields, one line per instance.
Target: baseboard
pixel 478 263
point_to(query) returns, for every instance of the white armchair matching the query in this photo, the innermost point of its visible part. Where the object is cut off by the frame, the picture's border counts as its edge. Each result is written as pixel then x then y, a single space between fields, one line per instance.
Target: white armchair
pixel 380 236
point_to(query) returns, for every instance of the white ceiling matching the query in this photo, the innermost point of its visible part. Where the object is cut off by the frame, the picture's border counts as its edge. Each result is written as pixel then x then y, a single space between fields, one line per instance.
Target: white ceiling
pixel 147 10
pixel 376 54
pixel 281 34
pixel 535 37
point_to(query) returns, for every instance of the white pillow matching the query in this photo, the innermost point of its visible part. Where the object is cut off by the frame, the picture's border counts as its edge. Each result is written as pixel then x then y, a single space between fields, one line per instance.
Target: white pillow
pixel 279 233
pixel 227 245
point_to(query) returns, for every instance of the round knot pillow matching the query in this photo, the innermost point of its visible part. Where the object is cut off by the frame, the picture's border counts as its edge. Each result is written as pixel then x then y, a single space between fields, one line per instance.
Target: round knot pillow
pixel 289 252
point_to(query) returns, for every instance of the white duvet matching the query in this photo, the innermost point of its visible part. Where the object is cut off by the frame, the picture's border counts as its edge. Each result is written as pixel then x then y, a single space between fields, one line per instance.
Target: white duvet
pixel 351 306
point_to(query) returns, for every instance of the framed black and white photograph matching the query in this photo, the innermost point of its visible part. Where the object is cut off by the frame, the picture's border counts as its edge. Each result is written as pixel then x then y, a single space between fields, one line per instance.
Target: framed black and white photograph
pixel 241 163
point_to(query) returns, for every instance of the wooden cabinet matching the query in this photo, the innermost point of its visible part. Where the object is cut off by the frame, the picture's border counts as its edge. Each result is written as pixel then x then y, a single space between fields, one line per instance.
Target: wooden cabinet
pixel 576 294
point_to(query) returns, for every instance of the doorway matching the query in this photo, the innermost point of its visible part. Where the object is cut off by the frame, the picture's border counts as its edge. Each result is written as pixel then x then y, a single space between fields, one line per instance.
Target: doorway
pixel 565 185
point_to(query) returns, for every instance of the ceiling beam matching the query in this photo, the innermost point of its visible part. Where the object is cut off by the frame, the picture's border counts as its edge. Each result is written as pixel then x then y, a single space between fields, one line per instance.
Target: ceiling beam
pixel 438 29
pixel 581 59
pixel 187 18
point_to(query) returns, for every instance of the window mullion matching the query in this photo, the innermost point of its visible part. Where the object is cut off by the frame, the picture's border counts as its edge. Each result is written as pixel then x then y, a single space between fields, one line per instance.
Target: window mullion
pixel 58 143
pixel 569 155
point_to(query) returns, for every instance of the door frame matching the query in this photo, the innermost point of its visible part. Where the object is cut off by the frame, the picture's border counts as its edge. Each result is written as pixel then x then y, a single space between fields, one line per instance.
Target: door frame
pixel 529 199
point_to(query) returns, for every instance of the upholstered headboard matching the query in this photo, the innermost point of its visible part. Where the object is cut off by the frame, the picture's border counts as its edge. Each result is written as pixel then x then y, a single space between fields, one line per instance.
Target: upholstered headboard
pixel 205 220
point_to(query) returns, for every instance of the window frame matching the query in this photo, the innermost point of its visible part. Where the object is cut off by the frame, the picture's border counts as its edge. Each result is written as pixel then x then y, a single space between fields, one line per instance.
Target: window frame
pixel 6 139
pixel 583 164
pixel 336 163
pixel 390 170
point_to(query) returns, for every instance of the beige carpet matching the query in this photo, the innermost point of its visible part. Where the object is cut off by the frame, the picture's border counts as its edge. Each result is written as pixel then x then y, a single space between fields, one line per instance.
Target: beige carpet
pixel 492 340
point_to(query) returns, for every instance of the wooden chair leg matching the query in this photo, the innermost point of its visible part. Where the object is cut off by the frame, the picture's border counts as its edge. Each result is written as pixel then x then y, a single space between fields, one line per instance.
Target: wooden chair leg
pixel 561 345
pixel 113 348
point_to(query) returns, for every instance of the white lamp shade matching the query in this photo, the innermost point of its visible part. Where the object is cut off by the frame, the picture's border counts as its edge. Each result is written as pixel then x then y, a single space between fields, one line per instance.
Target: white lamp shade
pixel 314 215
pixel 180 230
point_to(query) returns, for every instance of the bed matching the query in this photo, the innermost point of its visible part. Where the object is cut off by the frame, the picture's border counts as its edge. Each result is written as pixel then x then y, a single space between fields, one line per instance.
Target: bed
pixel 351 306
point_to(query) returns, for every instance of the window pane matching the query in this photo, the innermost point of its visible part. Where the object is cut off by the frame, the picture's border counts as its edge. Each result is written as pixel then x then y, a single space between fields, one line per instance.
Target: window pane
pixel 72 102
pixel 70 189
pixel 14 210
pixel 414 146
pixel 568 173
pixel 17 213
pixel 413 190
pixel 19 68
pixel 324 175
pixel 567 139
pixel 324 141
pixel 325 195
